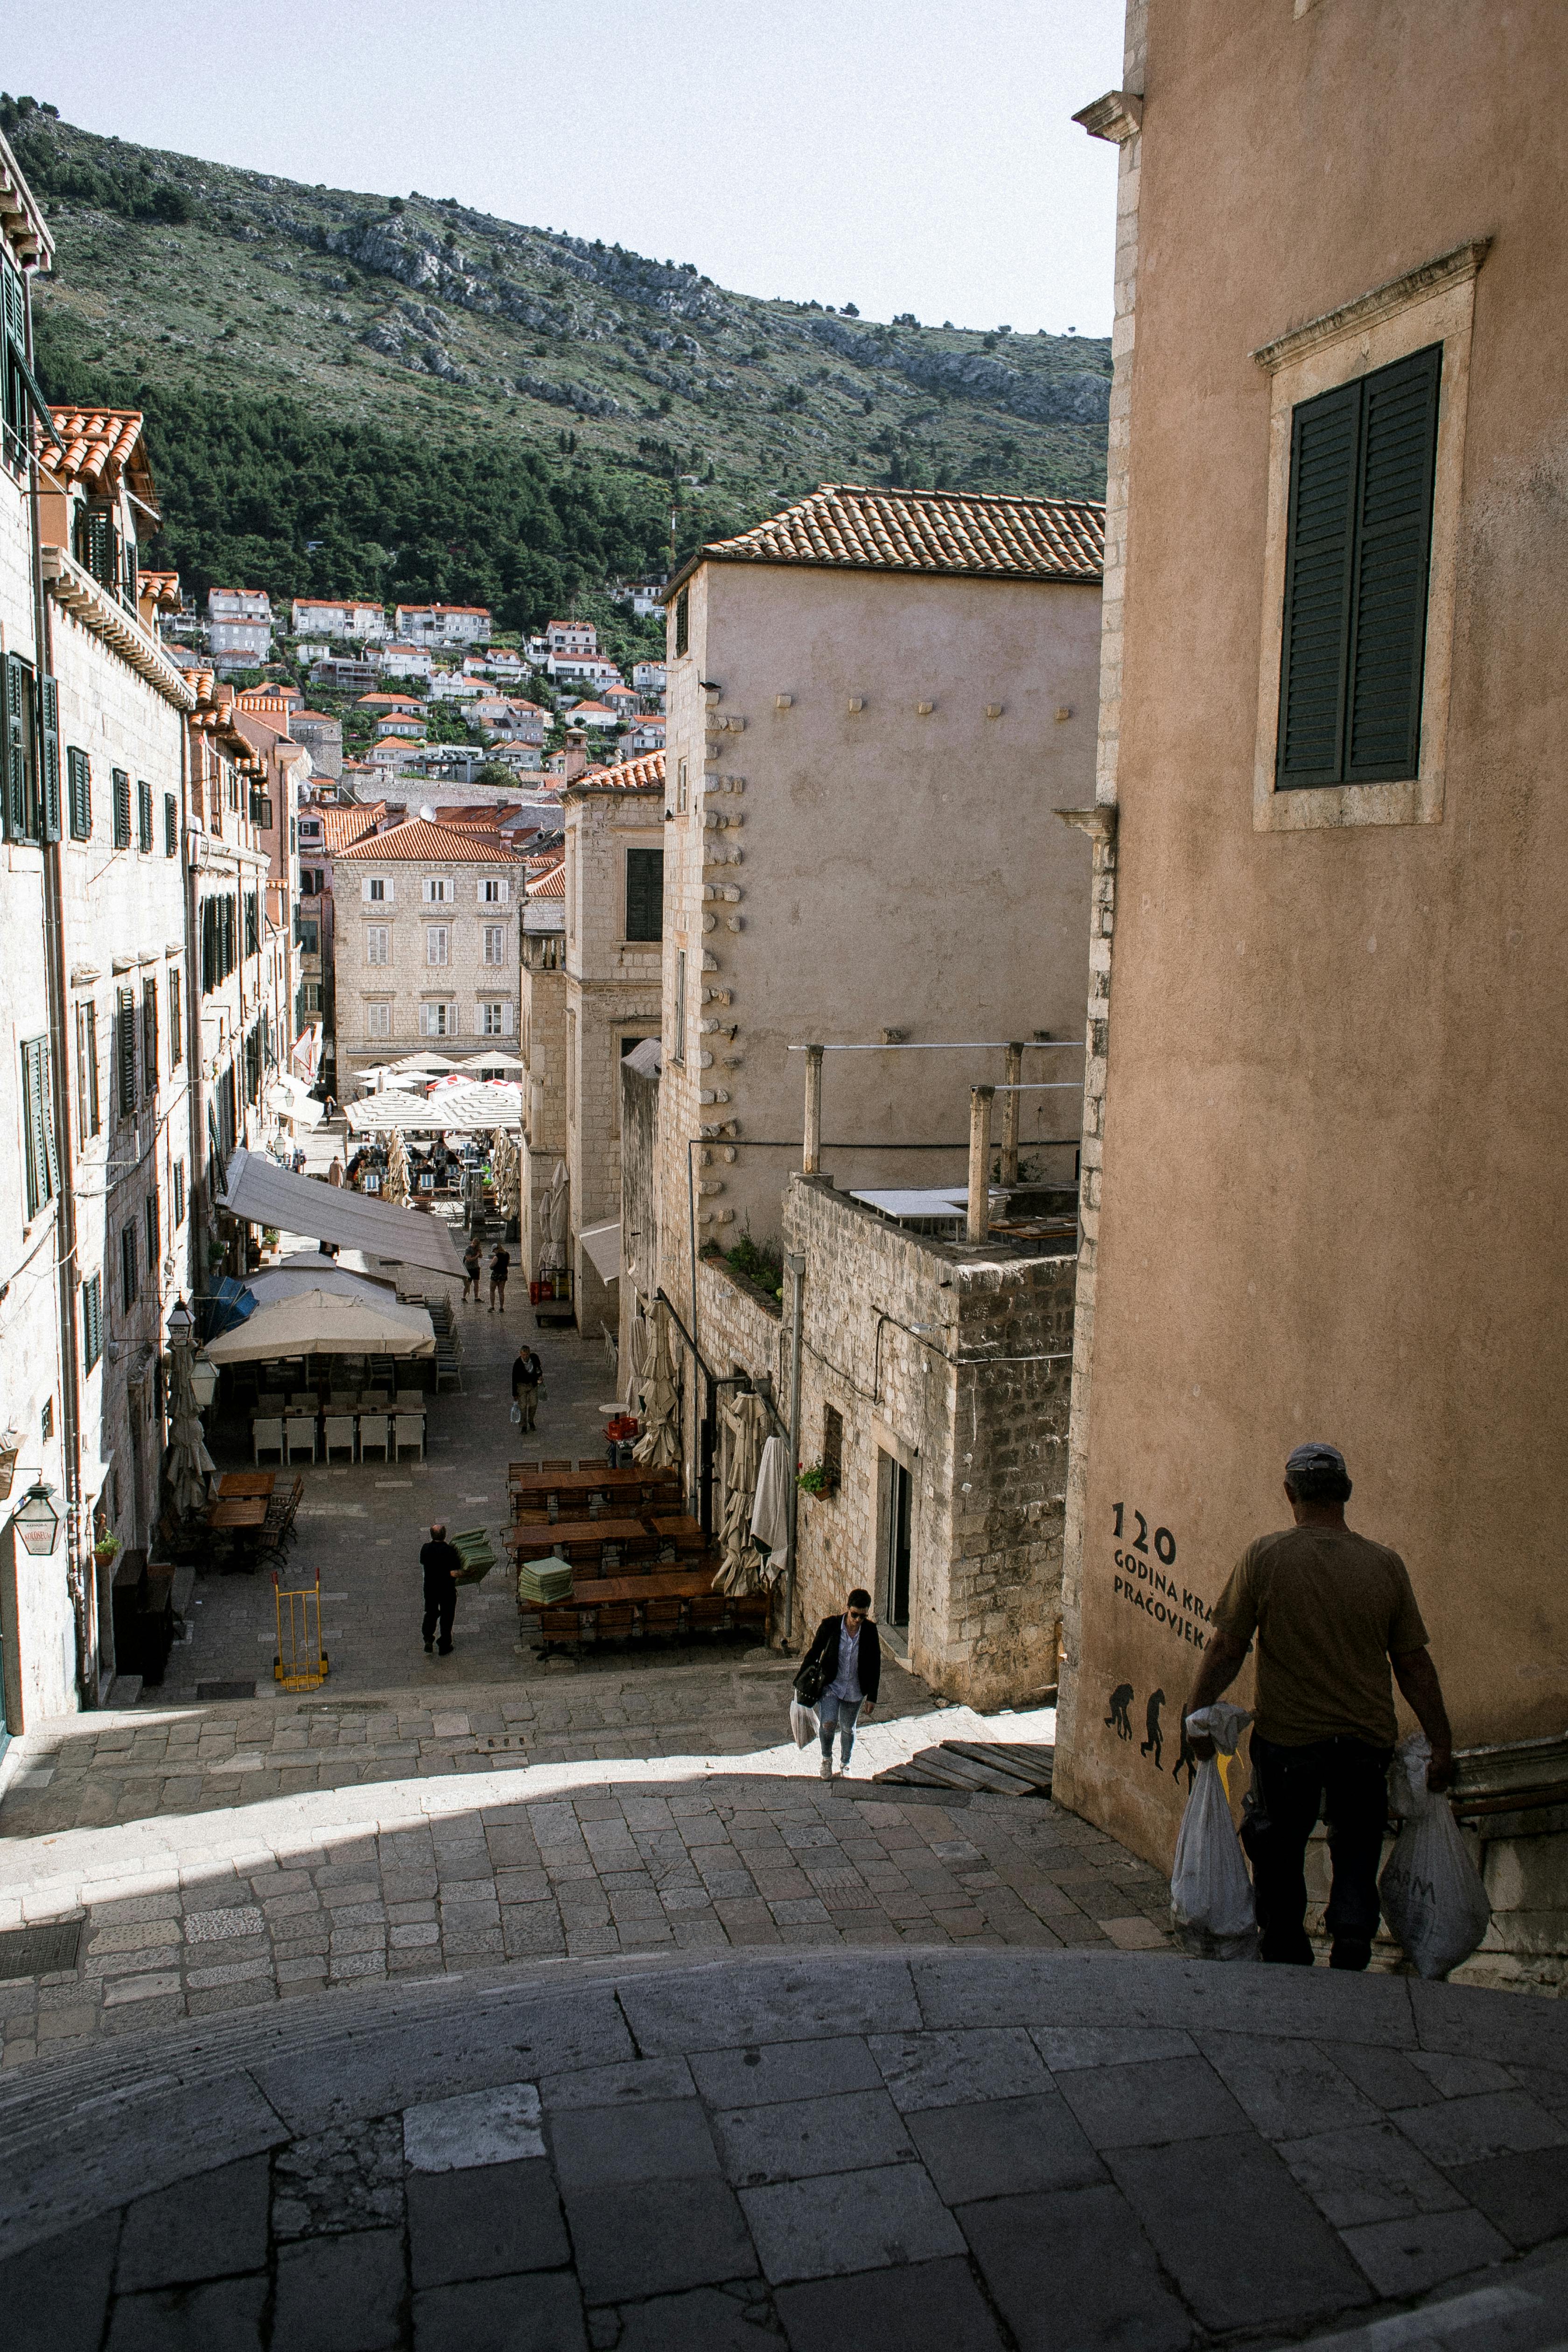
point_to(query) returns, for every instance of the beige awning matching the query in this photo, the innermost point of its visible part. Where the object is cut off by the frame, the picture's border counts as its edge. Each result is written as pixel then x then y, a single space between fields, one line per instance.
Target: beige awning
pixel 603 1244
pixel 326 1323
pixel 265 1195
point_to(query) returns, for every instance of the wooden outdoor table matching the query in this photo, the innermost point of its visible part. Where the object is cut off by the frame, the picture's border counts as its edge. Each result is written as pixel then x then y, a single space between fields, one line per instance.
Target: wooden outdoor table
pixel 585 1482
pixel 235 1483
pixel 238 1511
pixel 580 1531
pixel 681 1529
pixel 673 1585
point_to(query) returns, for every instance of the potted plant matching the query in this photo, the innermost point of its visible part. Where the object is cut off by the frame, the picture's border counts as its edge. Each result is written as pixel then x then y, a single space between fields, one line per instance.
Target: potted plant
pixel 105 1548
pixel 817 1480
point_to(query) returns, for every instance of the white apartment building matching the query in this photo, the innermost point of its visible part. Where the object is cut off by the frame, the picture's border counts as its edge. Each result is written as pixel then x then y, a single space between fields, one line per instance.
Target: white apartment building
pixel 649 677
pixel 434 953
pixel 572 638
pixel 325 616
pixel 406 661
pixel 239 627
pixel 444 625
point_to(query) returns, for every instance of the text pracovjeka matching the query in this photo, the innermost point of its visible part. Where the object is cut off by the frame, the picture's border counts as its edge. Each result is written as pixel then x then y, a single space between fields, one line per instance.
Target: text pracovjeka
pixel 1146 1586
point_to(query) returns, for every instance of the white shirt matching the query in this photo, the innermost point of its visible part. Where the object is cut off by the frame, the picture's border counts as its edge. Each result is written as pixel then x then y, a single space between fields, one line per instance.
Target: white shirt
pixel 845 1683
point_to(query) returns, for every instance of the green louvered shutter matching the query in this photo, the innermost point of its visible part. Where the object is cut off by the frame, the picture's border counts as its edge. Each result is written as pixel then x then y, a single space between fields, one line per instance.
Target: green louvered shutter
pixel 125 1049
pixel 79 783
pixel 1323 439
pixel 49 732
pixel 1393 545
pixel 16 718
pixel 145 816
pixel 121 809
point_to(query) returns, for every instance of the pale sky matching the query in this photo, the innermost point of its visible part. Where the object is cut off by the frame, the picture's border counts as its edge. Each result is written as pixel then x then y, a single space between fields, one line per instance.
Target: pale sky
pixel 900 154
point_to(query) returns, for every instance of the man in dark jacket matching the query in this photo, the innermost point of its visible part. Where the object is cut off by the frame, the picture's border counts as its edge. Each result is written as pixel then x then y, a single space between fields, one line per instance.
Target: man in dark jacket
pixel 527 1372
pixel 846 1658
pixel 440 1561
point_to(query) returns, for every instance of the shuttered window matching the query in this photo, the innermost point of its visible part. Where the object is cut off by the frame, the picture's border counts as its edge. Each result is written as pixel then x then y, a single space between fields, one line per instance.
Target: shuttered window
pixel 125 1050
pixel 171 825
pixel 682 622
pixel 144 818
pixel 150 1036
pixel 121 809
pixel 49 750
pixel 87 1107
pixel 92 1320
pixel 645 894
pixel 39 1125
pixel 127 1268
pixel 1362 458
pixel 176 1033
pixel 79 780
pixel 20 796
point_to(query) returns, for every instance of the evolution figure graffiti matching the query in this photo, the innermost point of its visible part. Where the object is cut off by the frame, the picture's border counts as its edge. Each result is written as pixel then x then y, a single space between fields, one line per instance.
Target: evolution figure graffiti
pixel 1154 1744
pixel 1120 1701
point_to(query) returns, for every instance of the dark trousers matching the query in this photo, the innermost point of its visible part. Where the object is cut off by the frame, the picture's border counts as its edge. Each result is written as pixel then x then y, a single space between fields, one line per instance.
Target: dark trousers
pixel 441 1608
pixel 1343 1782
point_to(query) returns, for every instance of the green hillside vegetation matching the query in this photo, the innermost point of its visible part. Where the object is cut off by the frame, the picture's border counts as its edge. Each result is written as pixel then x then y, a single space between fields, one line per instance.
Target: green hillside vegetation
pixel 405 398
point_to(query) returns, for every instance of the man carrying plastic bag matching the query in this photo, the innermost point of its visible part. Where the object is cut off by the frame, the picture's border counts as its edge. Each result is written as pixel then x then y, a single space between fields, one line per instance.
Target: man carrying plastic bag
pixel 1331 1611
pixel 1432 1892
pixel 1211 1895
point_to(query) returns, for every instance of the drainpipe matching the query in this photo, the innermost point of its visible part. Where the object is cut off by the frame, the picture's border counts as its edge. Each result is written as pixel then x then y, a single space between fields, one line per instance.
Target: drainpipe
pixel 796 1262
pixel 980 1101
pixel 1010 1108
pixel 811 1154
pixel 82 1586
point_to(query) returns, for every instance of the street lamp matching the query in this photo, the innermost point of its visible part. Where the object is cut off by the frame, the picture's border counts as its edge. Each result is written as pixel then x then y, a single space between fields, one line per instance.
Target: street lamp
pixel 180 1325
pixel 203 1382
pixel 36 1521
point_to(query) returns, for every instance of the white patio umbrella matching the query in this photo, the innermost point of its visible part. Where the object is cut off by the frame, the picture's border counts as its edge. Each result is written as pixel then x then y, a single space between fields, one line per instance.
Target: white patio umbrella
pixel 659 1444
pixel 553 1254
pixel 739 1569
pixel 327 1323
pixel 187 1465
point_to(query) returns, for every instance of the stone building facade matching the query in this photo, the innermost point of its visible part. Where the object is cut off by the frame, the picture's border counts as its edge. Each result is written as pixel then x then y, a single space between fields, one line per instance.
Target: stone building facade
pixel 1321 1158
pixel 426 932
pixel 615 921
pixel 542 1046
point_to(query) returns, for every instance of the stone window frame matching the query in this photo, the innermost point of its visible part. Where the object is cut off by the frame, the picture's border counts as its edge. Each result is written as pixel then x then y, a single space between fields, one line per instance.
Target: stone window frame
pixel 381 931
pixel 1432 304
pixel 375 1004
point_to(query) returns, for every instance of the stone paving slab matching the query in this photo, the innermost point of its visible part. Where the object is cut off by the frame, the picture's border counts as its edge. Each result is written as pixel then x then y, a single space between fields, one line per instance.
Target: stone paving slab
pixel 575 2161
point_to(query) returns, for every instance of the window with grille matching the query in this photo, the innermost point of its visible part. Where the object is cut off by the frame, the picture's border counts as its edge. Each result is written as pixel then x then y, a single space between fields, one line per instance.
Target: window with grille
pixel 378 943
pixel 39 1125
pixel 78 793
pixel 149 1034
pixel 176 1027
pixel 378 1020
pixel 833 1445
pixel 144 818
pixel 495 942
pixel 1363 463
pixel 92 1320
pixel 127 1268
pixel 171 825
pixel 125 1050
pixel 435 943
pixel 121 809
pixel 645 894
pixel 310 997
pixel 437 1020
pixel 87 1118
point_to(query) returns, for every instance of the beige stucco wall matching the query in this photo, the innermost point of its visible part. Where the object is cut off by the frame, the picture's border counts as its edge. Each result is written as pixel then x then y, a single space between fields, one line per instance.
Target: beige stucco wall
pixel 870 869
pixel 1332 1195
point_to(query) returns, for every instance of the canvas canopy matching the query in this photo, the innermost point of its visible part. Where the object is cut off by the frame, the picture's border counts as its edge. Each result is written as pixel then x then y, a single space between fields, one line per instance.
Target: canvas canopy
pixel 456 1110
pixel 326 1323
pixel 265 1195
pixel 317 1274
pixel 603 1244
pixel 293 1100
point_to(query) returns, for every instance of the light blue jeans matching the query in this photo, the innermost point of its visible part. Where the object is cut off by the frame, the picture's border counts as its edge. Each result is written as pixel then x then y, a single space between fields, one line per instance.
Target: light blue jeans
pixel 845 1713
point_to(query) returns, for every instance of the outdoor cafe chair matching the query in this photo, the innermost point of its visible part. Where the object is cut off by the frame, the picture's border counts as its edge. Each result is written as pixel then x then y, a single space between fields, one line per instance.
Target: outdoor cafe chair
pixel 375 1435
pixel 299 1435
pixel 410 1432
pixel 410 1399
pixel 267 1435
pixel 302 1401
pixel 270 1400
pixel 337 1430
pixel 341 1400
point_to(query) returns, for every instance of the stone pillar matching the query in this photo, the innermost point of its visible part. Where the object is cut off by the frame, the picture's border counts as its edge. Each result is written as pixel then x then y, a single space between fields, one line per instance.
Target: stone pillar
pixel 980 1101
pixel 1010 1108
pixel 811 1157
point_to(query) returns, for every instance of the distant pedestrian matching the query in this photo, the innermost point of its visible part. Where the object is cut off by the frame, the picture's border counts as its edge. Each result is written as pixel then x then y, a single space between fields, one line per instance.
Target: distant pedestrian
pixel 847 1651
pixel 440 1563
pixel 335 1172
pixel 500 1266
pixel 470 1274
pixel 299 1162
pixel 527 1374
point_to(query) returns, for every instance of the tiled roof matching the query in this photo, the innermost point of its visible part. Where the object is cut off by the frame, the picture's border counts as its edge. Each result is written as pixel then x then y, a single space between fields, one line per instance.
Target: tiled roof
pixel 417 842
pixel 314 719
pixel 482 609
pixel 941 532
pixel 552 884
pixel 164 587
pixel 341 827
pixel 639 775
pixel 100 443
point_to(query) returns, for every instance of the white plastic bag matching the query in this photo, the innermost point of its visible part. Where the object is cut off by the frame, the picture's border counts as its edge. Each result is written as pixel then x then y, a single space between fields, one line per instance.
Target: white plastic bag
pixel 516 1414
pixel 1433 1897
pixel 803 1723
pixel 1212 1912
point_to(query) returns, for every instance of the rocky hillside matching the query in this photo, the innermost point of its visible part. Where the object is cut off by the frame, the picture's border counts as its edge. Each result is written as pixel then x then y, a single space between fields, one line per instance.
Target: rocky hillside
pixel 318 365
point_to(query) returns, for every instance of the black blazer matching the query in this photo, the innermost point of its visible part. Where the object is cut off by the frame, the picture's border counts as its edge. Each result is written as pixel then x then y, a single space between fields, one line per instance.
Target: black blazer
pixel 824 1652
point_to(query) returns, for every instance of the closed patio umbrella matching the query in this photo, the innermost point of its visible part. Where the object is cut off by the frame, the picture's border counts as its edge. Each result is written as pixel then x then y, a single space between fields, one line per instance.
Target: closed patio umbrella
pixel 553 1254
pixel 739 1569
pixel 187 1465
pixel 659 1444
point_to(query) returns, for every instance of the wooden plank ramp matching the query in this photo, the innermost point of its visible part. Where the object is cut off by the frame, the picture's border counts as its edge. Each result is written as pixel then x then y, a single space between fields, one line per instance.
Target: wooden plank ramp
pixel 993 1769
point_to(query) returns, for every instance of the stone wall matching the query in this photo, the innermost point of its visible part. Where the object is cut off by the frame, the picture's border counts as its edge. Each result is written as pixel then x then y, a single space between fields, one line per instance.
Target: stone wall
pixel 639 1211
pixel 465 983
pixel 543 1048
pixel 953 1363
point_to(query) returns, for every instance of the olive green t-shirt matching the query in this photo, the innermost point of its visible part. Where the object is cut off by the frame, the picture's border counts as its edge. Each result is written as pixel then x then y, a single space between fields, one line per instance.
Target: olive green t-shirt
pixel 1327 1607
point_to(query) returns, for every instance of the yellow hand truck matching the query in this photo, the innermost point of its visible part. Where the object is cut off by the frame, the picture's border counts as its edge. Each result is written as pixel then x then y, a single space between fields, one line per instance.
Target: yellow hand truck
pixel 300 1663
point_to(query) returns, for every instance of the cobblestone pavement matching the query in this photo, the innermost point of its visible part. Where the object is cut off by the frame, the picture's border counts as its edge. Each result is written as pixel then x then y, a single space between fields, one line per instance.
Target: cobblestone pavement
pixel 969 2149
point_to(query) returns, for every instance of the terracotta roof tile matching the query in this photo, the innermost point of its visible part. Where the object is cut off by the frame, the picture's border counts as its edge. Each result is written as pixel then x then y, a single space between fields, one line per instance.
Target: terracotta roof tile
pixel 638 775
pixel 417 842
pixel 552 884
pixel 942 532
pixel 341 827
pixel 99 441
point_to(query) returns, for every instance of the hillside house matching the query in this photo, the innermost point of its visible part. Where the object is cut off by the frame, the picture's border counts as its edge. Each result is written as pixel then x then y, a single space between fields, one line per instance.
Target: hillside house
pixel 443 624
pixel 574 637
pixel 649 677
pixel 644 734
pixel 592 715
pixel 431 950
pixel 589 669
pixel 239 628
pixel 343 673
pixel 324 616
pixel 405 661
pixel 454 686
